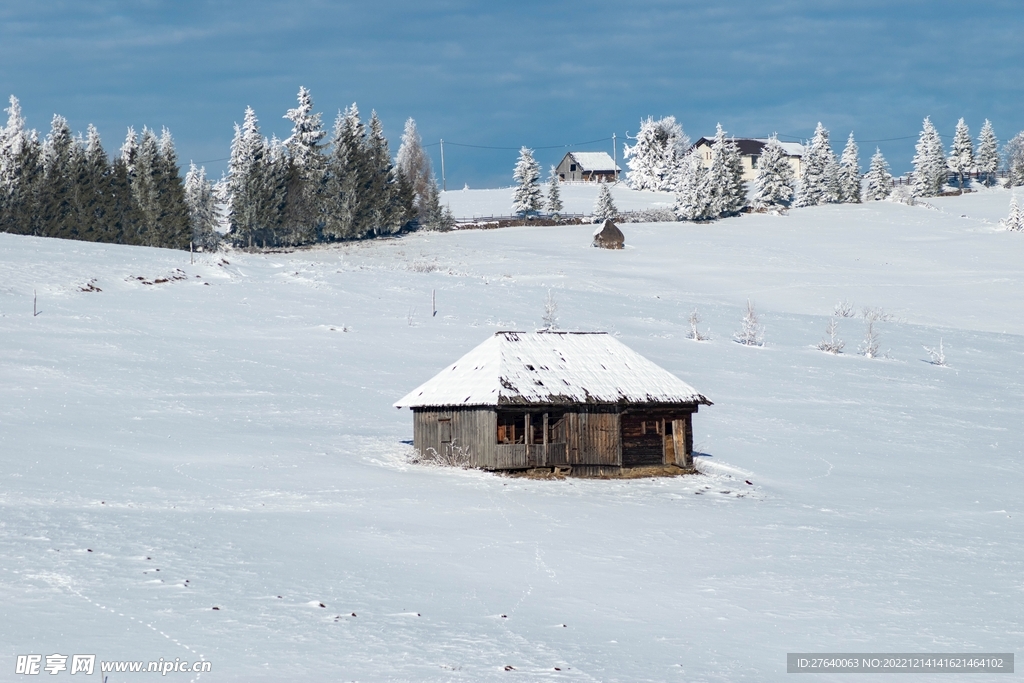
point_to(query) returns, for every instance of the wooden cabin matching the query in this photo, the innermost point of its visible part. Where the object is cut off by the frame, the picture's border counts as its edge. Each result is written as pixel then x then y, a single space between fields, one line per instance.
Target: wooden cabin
pixel 587 166
pixel 583 402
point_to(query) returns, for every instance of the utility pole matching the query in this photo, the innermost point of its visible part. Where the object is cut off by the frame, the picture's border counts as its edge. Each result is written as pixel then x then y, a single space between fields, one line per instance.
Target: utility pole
pixel 444 182
pixel 615 159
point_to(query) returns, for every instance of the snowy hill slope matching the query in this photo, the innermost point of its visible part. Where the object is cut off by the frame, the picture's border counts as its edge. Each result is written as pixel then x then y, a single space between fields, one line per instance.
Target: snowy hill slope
pixel 576 198
pixel 232 428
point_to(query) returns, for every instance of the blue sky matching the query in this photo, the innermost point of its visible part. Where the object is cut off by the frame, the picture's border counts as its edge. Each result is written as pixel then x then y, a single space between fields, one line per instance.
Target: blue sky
pixel 505 74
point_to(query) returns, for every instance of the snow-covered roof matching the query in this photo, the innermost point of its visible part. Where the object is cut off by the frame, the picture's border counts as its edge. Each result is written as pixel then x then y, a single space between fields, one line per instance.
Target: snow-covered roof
pixel 793 149
pixel 513 368
pixel 751 146
pixel 594 161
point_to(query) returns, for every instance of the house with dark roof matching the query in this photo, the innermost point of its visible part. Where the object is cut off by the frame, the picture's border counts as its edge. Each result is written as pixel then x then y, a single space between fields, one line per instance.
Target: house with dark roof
pixel 588 166
pixel 750 153
pixel 582 403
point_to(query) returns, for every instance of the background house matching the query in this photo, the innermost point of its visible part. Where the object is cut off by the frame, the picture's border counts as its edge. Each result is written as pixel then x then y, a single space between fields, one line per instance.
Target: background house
pixel 592 166
pixel 750 152
pixel 583 401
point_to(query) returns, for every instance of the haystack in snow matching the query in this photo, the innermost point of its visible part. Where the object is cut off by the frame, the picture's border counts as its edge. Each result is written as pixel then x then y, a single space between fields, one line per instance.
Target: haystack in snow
pixel 609 236
pixel 581 402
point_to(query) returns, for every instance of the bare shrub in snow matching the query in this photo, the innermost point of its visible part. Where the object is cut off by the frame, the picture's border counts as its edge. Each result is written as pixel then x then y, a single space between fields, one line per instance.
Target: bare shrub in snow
pixel 832 343
pixel 550 318
pixel 843 309
pixel 648 216
pixel 870 346
pixel 424 267
pixel 937 356
pixel 752 333
pixel 451 455
pixel 696 334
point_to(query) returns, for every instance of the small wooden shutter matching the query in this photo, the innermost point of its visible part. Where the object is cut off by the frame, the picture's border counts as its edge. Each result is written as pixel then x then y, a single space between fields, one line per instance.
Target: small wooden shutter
pixel 445 429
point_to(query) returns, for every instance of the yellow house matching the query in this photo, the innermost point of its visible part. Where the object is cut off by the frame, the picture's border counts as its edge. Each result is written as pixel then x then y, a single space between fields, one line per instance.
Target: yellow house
pixel 750 153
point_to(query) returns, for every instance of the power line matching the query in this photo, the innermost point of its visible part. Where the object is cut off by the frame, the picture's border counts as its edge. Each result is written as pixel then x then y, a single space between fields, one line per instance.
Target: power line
pixel 572 144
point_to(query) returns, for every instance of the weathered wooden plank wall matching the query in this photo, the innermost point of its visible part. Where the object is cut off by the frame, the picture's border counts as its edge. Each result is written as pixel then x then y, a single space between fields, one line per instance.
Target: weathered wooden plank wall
pixel 472 429
pixel 598 436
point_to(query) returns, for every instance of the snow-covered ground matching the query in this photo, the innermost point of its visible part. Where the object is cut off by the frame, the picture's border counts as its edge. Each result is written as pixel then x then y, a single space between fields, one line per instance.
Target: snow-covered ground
pixel 576 198
pixel 233 429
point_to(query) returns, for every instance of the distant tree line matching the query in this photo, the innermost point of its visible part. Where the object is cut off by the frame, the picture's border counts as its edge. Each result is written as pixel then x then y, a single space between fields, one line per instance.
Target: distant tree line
pixel 67 186
pixel 275 193
pixel 662 159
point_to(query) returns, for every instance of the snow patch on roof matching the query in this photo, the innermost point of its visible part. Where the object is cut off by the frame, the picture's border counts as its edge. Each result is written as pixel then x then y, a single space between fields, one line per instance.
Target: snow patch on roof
pixel 551 368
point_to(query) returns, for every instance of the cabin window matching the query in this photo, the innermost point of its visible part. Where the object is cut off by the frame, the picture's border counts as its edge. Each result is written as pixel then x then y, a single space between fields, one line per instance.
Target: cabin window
pixel 572 167
pixel 754 158
pixel 444 426
pixel 511 428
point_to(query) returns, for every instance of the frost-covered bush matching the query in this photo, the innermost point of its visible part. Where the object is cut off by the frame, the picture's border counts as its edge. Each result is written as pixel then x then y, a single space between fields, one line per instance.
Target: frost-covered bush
pixel 832 343
pixel 648 216
pixel 695 333
pixel 752 332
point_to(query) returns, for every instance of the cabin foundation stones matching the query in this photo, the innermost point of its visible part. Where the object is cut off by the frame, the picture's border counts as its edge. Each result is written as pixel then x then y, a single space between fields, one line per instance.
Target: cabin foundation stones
pixel 609 236
pixel 554 404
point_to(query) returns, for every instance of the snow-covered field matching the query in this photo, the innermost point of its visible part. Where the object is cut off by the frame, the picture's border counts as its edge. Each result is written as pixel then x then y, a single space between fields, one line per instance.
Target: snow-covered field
pixel 227 440
pixel 576 198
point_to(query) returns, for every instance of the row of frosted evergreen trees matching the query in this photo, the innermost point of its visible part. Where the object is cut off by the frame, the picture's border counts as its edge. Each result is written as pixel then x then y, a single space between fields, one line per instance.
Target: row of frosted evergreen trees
pixel 277 193
pixel 302 191
pixel 663 160
pixel 67 186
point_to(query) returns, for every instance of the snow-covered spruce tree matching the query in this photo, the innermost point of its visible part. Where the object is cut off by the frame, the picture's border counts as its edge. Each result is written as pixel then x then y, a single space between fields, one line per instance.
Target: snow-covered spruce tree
pixel 752 332
pixel 305 168
pixel 961 156
pixel 202 209
pixel 344 176
pixel 849 173
pixel 604 207
pixel 93 200
pixel 774 182
pixel 987 158
pixel 878 178
pixel 257 190
pixel 818 178
pixel 1015 219
pixel 691 186
pixel 724 187
pixel 930 168
pixel 527 197
pixel 145 190
pixel 554 198
pixel 386 212
pixel 435 216
pixel 21 172
pixel 1013 152
pixel 13 140
pixel 55 203
pixel 413 164
pixel 654 159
